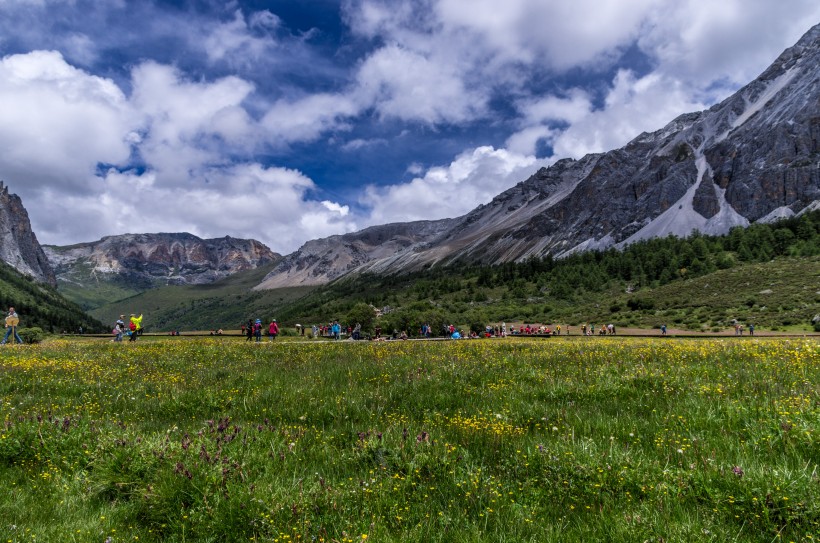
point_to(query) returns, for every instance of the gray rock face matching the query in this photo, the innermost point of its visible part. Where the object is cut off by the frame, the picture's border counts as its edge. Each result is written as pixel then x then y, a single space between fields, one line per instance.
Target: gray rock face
pixel 159 258
pixel 18 245
pixel 322 260
pixel 753 157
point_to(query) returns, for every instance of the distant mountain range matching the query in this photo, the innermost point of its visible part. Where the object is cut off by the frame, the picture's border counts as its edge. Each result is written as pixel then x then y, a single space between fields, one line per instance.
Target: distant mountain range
pixel 754 157
pixel 155 259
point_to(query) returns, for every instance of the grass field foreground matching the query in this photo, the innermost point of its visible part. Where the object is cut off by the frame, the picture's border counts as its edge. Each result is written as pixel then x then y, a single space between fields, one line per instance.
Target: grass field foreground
pixel 582 439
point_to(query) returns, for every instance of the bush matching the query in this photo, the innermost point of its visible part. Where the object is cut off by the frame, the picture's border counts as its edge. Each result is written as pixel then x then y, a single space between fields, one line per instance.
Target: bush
pixel 817 326
pixel 32 335
pixel 636 304
pixel 363 314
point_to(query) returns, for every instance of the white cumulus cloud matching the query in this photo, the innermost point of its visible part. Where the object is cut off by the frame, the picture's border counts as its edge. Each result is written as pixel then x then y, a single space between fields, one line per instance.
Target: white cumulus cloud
pixel 57 122
pixel 473 178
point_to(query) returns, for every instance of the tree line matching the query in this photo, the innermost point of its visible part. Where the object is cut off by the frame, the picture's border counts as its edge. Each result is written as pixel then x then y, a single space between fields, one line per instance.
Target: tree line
pixel 39 305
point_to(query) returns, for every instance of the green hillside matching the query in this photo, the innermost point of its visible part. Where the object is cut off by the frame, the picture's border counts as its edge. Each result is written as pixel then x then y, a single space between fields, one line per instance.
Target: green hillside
pixel 99 290
pixel 783 294
pixel 40 305
pixel 768 275
pixel 223 304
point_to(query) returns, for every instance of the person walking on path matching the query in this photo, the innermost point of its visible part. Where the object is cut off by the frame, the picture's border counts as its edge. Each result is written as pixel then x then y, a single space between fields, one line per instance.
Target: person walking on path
pixel 257 330
pixel 135 325
pixel 12 320
pixel 273 330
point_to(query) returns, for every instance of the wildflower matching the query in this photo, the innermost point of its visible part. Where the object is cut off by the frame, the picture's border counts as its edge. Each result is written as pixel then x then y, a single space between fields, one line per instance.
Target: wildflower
pixel 737 470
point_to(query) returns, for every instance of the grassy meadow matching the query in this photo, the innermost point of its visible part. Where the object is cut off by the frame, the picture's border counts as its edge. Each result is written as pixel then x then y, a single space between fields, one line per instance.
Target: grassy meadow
pixel 564 439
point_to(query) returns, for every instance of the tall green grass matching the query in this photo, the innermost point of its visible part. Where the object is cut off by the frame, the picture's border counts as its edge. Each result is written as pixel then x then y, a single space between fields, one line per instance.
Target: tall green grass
pixel 587 439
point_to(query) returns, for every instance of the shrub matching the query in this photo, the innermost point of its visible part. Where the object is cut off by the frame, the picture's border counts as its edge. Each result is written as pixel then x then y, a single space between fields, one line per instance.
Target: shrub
pixel 363 314
pixel 32 335
pixel 636 304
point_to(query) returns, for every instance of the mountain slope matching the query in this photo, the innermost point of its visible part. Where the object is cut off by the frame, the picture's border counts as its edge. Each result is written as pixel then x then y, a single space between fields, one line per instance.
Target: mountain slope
pixel 40 305
pixel 226 303
pixel 322 260
pixel 753 157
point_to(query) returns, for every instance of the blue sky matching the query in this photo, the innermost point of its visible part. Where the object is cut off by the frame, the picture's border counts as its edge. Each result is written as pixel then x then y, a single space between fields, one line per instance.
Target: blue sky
pixel 290 120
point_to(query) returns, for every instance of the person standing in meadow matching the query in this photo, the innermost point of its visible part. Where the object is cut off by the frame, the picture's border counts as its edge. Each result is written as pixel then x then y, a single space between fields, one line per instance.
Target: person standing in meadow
pixel 257 330
pixel 119 328
pixel 273 330
pixel 135 326
pixel 12 320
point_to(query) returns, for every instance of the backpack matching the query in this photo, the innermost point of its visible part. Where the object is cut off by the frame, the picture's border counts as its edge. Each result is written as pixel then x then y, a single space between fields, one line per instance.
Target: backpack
pixel 132 326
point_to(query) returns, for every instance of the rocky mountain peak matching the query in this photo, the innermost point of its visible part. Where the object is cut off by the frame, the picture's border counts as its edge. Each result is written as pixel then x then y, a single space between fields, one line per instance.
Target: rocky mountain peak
pixel 18 245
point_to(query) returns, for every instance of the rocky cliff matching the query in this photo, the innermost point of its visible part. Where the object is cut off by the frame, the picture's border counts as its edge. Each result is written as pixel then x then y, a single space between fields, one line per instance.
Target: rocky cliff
pixel 157 259
pixel 753 157
pixel 322 260
pixel 18 245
